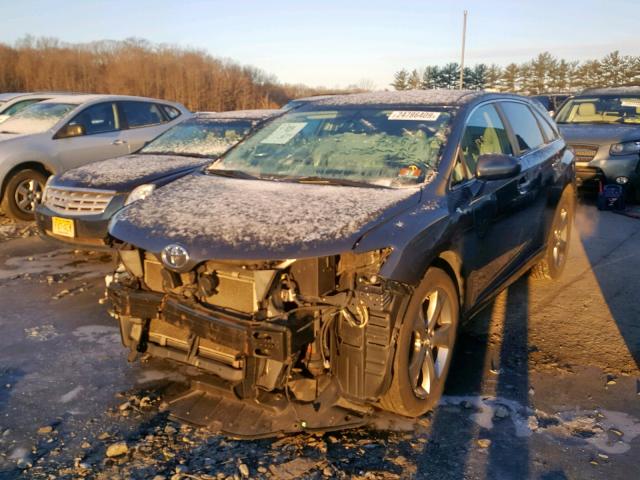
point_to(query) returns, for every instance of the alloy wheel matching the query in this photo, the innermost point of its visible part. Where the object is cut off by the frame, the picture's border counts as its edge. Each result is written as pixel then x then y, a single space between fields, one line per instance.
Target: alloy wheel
pixel 432 343
pixel 28 194
pixel 560 238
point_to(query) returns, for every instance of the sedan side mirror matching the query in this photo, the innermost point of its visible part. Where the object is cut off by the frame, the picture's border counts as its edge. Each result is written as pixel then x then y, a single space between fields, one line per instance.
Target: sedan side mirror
pixel 69 131
pixel 496 166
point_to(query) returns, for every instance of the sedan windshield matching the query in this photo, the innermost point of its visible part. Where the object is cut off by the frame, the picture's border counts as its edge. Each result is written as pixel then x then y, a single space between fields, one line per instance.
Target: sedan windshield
pixel 382 147
pixel 601 109
pixel 37 118
pixel 200 137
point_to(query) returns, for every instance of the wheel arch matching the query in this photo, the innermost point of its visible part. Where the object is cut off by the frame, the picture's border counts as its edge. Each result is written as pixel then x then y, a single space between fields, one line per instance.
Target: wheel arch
pixel 450 262
pixel 29 165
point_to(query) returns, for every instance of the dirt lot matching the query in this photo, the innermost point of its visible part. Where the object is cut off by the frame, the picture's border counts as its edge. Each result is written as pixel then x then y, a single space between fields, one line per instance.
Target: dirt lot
pixel 546 383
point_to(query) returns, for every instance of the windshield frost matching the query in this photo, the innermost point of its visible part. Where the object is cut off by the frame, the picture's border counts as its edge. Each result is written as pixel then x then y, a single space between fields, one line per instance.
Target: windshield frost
pixel 37 118
pixel 605 109
pixel 201 137
pixel 376 146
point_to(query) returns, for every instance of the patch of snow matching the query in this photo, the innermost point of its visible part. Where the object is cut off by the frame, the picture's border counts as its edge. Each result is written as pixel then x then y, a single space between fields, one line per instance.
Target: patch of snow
pixel 256 214
pixel 72 395
pixel 102 335
pixel 608 431
pixel 41 333
pixel 129 168
pixel 257 114
pixel 405 97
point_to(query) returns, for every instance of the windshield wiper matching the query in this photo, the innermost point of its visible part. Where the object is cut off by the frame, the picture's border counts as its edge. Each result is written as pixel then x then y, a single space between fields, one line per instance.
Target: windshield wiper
pixel 179 154
pixel 334 181
pixel 230 173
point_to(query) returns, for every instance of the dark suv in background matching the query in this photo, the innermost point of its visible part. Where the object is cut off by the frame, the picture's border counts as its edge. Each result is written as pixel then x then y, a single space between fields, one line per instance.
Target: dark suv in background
pixel 603 128
pixel 354 235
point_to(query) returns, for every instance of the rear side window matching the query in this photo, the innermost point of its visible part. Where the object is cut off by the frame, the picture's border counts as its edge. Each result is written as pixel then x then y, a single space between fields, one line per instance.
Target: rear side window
pixel 484 134
pixel 524 125
pixel 99 118
pixel 141 114
pixel 171 112
pixel 549 132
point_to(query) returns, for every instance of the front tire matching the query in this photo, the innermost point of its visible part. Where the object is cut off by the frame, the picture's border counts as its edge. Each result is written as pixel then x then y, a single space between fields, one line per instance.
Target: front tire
pixel 425 346
pixel 22 193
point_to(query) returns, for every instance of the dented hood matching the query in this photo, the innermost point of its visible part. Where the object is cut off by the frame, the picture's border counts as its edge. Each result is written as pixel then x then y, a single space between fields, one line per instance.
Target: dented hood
pixel 225 218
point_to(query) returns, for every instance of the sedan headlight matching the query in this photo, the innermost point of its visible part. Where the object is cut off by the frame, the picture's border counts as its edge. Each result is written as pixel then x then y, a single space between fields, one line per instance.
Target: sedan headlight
pixel 45 190
pixel 140 193
pixel 626 148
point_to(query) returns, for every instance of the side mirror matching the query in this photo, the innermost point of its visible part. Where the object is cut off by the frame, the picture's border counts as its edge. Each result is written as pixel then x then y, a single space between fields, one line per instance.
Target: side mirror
pixel 69 131
pixel 496 166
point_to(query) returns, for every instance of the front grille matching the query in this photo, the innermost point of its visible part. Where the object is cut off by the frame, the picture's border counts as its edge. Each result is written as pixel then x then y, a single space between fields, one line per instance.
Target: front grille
pixel 77 201
pixel 584 153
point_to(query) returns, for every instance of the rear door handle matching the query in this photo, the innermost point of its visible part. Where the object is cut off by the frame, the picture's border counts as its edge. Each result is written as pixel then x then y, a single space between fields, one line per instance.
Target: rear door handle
pixel 119 142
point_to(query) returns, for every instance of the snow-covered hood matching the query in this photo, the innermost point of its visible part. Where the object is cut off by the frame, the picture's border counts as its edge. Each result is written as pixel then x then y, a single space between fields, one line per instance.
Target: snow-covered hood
pixel 222 218
pixel 599 134
pixel 122 174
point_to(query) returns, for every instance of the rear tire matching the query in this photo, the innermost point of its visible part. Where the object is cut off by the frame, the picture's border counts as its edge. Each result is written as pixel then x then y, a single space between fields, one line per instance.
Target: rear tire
pixel 22 193
pixel 425 347
pixel 555 259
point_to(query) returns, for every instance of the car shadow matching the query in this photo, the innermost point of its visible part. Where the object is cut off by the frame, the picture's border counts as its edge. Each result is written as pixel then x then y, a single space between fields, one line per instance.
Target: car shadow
pixel 615 269
pixel 489 371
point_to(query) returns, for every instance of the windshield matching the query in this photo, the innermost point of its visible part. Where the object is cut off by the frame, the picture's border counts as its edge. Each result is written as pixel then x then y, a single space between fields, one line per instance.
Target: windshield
pixel 200 137
pixel 602 109
pixel 373 146
pixel 36 118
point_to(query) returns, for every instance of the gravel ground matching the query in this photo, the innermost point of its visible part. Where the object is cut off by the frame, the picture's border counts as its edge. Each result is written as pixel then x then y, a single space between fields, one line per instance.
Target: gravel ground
pixel 545 383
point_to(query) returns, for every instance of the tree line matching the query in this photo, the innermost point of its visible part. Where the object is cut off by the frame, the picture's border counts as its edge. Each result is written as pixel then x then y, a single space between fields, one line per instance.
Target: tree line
pixel 545 73
pixel 137 67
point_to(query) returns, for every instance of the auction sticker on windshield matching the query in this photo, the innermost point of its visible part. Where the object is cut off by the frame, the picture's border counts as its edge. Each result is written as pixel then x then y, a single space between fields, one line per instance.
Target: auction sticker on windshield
pixel 414 115
pixel 284 133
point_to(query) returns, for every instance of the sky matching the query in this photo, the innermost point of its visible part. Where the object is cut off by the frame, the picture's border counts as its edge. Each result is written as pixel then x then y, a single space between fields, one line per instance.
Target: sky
pixel 335 43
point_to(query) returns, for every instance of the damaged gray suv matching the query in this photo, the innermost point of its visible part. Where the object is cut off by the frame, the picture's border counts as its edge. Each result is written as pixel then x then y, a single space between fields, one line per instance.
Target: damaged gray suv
pixel 320 269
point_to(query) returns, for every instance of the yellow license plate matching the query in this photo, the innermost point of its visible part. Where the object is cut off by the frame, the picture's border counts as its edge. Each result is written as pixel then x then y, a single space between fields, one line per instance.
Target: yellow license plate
pixel 63 227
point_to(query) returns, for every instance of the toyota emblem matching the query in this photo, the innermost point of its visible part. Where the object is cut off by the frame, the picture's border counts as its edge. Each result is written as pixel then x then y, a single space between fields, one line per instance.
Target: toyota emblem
pixel 175 256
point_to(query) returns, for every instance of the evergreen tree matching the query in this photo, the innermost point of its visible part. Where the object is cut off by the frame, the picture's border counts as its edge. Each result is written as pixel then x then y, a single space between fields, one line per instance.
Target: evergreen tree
pixel 430 77
pixel 401 80
pixel 492 77
pixel 613 69
pixel 450 76
pixel 414 82
pixel 510 77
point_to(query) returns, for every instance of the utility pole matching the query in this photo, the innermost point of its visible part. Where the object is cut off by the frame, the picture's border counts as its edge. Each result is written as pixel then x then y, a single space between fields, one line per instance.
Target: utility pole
pixel 464 38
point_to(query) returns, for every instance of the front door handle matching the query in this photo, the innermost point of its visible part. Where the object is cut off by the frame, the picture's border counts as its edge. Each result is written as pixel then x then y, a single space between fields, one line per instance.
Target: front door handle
pixel 119 142
pixel 523 185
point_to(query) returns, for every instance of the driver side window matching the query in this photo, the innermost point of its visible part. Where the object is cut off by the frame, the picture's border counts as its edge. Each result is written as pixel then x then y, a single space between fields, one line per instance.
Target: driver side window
pixel 99 118
pixel 484 134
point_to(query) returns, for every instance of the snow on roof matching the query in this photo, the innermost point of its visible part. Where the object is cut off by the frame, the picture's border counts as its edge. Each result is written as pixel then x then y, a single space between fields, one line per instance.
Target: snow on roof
pixel 258 114
pixel 255 214
pixel 612 91
pixel 90 97
pixel 128 168
pixel 405 97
